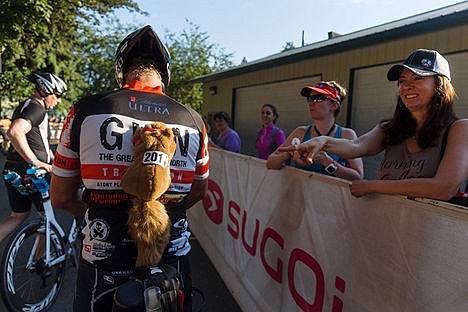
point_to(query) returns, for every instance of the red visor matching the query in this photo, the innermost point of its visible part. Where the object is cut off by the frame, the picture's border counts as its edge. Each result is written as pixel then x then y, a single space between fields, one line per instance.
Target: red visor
pixel 322 88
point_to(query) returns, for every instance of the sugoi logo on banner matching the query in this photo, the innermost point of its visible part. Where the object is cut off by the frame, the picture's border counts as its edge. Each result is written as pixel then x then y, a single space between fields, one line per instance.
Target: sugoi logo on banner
pixel 267 243
pixel 213 202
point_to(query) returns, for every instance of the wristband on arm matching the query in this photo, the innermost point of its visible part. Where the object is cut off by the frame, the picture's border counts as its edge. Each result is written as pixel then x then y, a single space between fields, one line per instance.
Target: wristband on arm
pixel 32 162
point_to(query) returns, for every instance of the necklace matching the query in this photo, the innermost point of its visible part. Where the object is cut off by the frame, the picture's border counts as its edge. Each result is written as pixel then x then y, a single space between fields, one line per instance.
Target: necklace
pixel 328 133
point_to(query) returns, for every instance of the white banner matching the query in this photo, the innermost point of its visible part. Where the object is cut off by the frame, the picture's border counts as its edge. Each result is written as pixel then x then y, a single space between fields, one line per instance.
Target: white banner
pixel 290 240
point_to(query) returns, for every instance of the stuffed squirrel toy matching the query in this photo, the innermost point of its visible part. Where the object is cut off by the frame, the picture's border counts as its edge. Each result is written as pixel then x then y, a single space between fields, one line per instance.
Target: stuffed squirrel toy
pixel 147 179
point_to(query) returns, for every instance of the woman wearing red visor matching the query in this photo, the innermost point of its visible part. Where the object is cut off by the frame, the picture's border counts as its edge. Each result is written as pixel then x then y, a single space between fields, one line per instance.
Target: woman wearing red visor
pixel 324 103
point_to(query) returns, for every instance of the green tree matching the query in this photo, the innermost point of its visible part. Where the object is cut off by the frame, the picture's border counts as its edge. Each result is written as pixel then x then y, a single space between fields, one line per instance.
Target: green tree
pixel 193 55
pixel 47 35
pixel 97 54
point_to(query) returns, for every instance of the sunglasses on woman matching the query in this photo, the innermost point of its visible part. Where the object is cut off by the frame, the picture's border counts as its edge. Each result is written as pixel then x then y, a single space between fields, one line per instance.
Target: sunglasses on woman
pixel 317 98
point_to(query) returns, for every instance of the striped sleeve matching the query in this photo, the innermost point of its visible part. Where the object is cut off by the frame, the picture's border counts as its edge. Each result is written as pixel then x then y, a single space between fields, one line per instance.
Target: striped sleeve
pixel 202 168
pixel 67 161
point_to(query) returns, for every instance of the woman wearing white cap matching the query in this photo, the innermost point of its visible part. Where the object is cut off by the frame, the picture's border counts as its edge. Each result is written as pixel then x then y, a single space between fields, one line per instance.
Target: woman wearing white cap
pixel 426 146
pixel 324 103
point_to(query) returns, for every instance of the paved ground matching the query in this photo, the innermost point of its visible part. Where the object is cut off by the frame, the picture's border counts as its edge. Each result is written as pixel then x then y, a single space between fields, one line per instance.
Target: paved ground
pixel 204 274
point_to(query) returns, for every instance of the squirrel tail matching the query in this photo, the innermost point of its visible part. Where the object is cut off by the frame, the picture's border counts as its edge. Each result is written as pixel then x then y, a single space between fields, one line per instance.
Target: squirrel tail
pixel 149 225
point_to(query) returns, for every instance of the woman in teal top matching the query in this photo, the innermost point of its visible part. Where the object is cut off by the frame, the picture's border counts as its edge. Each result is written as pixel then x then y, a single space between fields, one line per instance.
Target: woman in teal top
pixel 324 102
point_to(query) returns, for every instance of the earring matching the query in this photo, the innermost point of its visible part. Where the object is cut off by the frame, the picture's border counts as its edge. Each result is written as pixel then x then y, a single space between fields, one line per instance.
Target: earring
pixel 402 106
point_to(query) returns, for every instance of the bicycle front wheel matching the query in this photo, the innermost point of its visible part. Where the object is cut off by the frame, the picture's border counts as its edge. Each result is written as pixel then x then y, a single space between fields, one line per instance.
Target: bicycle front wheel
pixel 28 283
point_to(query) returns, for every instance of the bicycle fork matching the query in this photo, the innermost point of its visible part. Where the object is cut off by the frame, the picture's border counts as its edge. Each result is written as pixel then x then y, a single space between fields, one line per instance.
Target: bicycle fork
pixel 50 235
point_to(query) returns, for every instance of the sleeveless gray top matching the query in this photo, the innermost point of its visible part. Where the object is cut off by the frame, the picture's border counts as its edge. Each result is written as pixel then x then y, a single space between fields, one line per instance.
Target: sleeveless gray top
pixel 399 163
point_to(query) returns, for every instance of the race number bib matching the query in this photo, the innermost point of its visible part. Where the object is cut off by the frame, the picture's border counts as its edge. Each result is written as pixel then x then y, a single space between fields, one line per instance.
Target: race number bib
pixel 156 158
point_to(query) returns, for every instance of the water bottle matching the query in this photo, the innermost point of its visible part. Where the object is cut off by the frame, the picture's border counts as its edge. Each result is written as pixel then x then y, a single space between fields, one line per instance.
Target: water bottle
pixel 152 299
pixel 14 180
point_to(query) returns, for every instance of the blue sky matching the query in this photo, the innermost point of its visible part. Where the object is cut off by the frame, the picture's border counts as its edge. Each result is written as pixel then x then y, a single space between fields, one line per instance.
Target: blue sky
pixel 255 29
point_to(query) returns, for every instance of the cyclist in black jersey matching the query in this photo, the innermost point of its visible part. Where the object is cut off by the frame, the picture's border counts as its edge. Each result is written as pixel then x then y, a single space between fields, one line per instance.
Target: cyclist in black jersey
pixel 28 134
pixel 96 146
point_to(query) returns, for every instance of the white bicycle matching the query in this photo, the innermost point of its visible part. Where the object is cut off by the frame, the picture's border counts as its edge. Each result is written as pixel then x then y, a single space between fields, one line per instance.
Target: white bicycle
pixel 34 260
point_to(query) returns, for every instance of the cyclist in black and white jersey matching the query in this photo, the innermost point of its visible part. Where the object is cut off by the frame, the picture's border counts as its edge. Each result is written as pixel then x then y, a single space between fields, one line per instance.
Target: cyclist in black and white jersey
pixel 29 138
pixel 96 146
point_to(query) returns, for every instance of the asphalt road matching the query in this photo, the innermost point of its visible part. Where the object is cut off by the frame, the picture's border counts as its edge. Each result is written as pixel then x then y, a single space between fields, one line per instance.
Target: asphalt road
pixel 205 276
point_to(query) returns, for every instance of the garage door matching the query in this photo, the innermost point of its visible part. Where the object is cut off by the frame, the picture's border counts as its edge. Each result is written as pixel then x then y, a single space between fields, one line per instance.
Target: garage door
pixel 459 72
pixel 292 108
pixel 374 99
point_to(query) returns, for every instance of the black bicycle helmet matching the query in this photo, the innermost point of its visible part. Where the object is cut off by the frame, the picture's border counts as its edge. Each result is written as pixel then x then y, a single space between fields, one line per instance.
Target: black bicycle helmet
pixel 142 43
pixel 48 83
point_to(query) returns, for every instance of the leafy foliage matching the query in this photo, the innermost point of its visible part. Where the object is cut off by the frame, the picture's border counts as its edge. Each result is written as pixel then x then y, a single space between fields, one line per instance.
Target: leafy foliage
pixel 48 35
pixel 97 55
pixel 193 55
pixel 77 40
